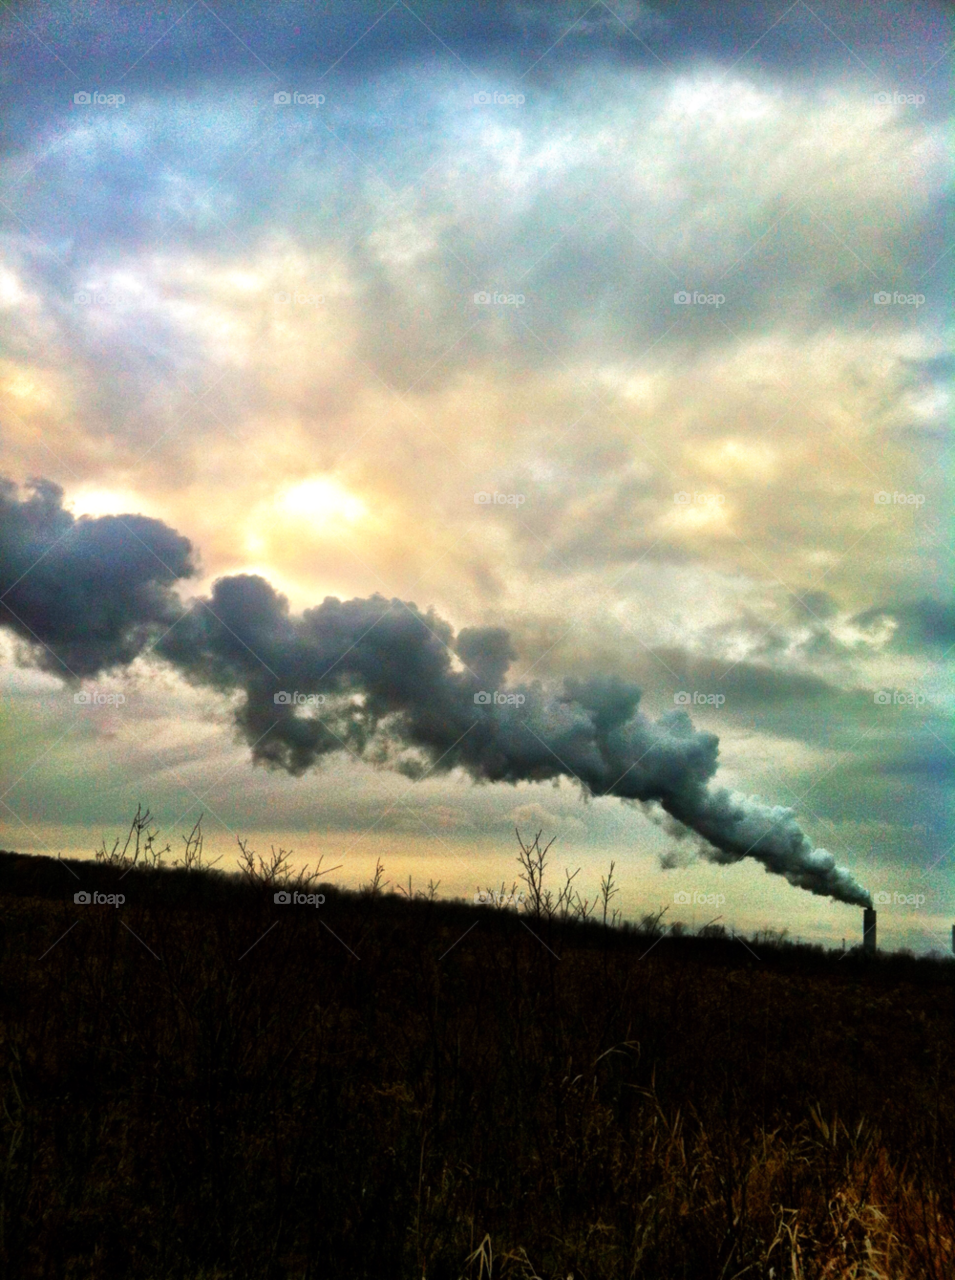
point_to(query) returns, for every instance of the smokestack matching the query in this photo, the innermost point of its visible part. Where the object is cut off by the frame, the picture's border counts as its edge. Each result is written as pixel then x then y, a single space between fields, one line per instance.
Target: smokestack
pixel 396 687
pixel 868 931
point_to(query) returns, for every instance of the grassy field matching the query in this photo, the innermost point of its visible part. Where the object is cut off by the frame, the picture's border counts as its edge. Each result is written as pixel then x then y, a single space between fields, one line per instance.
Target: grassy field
pixel 204 1083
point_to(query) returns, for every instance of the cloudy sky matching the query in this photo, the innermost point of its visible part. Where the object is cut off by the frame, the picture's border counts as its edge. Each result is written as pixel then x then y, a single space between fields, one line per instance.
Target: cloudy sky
pixel 623 327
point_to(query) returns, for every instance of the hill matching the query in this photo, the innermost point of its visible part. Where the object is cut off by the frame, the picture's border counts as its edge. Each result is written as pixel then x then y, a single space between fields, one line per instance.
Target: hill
pixel 201 1081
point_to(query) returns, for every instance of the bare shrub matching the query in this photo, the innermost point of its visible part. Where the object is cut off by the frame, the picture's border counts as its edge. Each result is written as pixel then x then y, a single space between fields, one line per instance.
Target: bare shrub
pixel 143 843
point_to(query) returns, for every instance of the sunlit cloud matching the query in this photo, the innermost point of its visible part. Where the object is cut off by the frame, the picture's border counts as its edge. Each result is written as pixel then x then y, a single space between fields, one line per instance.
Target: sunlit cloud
pixel 320 501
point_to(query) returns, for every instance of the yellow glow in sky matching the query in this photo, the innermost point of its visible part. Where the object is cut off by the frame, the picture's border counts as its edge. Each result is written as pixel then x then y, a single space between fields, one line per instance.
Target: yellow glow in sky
pixel 320 501
pixel 106 502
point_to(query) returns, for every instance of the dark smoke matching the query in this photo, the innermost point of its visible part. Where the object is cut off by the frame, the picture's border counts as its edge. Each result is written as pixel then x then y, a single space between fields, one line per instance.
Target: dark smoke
pixel 85 594
pixel 397 689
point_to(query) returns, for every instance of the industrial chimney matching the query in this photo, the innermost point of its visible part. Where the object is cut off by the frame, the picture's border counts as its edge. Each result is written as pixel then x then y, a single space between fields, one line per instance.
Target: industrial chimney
pixel 868 930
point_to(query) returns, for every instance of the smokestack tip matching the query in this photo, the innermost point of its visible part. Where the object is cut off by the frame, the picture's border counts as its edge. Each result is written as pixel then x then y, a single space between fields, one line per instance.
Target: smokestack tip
pixel 869 930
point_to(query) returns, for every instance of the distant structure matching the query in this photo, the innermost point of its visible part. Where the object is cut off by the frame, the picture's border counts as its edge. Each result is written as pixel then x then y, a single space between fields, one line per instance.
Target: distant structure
pixel 868 931
pixel 953 939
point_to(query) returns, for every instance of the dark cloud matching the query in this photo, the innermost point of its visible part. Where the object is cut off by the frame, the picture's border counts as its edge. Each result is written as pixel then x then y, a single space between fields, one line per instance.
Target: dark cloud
pixel 487 652
pixel 172 44
pixel 924 625
pixel 930 762
pixel 747 685
pixel 816 605
pixel 84 594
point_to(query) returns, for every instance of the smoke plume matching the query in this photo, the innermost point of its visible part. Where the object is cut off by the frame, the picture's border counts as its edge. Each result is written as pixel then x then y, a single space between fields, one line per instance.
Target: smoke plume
pixel 376 677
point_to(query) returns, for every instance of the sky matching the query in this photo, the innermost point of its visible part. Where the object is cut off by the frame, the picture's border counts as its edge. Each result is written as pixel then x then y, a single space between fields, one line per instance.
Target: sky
pixel 603 343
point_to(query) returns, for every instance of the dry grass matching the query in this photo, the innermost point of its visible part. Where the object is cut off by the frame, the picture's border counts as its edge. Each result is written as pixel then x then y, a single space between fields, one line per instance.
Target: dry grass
pixel 207 1086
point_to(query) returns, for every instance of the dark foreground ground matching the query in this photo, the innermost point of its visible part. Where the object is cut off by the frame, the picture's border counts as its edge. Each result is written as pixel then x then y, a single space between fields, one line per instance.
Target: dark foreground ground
pixel 201 1083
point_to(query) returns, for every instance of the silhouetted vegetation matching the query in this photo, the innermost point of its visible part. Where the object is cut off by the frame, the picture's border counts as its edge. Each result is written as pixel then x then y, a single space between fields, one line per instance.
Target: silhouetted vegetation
pixel 204 1083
